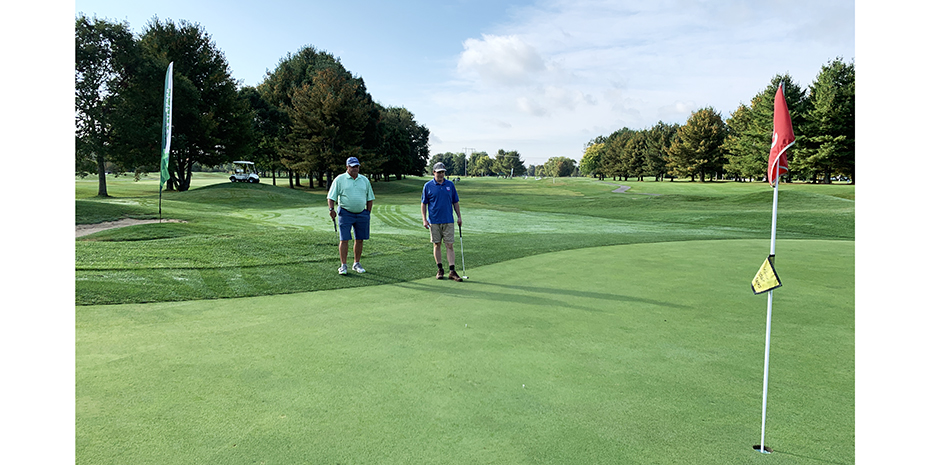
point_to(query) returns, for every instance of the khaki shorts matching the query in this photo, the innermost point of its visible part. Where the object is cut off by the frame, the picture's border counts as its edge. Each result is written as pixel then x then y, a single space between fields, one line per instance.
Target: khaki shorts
pixel 443 231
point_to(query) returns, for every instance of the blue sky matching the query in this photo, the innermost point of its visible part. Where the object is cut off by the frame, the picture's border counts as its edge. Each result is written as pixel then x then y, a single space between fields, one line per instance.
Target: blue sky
pixel 542 77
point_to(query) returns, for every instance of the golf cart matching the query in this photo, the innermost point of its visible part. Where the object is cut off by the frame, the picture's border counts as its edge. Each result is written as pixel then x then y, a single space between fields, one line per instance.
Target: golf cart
pixel 244 172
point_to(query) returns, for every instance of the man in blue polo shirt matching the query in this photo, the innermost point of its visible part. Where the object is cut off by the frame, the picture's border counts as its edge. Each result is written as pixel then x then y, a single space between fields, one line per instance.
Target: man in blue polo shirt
pixel 439 201
pixel 353 193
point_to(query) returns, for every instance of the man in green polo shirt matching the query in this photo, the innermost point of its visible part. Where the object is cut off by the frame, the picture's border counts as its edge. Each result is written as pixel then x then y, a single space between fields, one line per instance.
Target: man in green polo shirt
pixel 354 195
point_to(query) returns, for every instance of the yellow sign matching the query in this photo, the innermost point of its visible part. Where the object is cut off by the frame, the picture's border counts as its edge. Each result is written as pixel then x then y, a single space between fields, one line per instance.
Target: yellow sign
pixel 766 279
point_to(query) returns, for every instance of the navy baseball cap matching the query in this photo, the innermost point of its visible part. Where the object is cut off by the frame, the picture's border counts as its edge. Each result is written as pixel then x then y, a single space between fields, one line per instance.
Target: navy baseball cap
pixel 352 161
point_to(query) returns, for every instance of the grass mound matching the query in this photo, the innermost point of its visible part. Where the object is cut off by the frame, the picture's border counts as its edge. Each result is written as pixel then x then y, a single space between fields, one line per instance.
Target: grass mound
pixel 239 195
pixel 92 212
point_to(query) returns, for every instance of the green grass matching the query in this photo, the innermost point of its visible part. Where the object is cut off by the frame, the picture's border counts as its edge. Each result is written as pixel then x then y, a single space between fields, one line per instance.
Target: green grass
pixel 244 240
pixel 630 354
pixel 627 317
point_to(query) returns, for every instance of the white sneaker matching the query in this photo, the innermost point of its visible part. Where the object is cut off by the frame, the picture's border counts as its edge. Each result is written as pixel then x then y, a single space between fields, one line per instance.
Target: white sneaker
pixel 342 269
pixel 358 268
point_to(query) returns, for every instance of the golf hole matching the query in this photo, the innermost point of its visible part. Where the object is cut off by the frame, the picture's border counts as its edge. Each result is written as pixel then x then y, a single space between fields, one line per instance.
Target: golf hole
pixel 766 450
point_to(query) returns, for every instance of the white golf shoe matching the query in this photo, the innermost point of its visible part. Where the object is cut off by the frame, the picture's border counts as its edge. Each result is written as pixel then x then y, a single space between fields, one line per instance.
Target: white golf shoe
pixel 358 268
pixel 342 269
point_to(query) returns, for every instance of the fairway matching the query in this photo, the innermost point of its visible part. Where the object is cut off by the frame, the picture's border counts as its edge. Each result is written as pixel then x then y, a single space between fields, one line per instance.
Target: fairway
pixel 242 240
pixel 641 353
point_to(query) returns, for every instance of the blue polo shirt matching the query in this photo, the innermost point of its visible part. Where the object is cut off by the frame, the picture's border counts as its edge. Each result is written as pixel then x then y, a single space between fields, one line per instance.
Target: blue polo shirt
pixel 440 199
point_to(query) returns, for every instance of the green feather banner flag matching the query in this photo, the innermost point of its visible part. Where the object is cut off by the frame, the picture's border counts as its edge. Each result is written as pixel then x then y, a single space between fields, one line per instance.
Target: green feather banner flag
pixel 167 124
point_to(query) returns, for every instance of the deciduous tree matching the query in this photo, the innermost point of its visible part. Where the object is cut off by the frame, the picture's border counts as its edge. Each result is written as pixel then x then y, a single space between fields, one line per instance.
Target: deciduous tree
pixel 280 88
pixel 453 162
pixel 480 164
pixel 265 121
pixel 405 145
pixel 614 163
pixel 328 123
pixel 697 149
pixel 211 123
pixel 591 160
pixel 508 163
pixel 105 53
pixel 560 167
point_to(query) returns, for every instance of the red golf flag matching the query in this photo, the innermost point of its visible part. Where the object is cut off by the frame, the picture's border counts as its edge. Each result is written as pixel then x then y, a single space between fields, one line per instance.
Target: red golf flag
pixel 783 139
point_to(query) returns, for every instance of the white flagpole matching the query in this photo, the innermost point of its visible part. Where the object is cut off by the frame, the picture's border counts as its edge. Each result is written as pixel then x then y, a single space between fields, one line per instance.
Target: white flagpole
pixel 773 170
pixel 770 306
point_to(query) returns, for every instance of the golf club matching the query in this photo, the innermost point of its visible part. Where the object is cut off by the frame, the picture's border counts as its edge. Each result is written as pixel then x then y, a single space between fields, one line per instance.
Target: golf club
pixel 335 230
pixel 461 251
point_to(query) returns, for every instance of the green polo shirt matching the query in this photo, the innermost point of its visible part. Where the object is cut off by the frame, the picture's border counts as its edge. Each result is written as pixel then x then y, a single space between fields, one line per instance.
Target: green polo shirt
pixel 351 194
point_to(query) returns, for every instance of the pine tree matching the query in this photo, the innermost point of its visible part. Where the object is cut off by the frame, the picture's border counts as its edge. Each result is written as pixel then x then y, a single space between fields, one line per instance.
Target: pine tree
pixel 831 122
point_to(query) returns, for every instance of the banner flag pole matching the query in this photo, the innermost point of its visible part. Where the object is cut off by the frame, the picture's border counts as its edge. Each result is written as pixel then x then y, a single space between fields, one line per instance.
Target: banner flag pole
pixel 167 128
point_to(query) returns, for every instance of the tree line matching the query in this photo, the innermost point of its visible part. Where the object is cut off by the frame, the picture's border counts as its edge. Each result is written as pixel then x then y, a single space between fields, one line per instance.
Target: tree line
pixel 707 147
pixel 304 119
pixel 506 163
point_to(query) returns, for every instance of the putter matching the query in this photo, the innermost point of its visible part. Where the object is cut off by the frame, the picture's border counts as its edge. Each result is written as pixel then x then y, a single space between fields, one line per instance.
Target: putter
pixel 335 230
pixel 461 251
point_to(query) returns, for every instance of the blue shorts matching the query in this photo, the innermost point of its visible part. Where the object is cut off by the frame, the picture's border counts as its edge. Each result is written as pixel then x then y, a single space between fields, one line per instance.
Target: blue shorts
pixel 358 222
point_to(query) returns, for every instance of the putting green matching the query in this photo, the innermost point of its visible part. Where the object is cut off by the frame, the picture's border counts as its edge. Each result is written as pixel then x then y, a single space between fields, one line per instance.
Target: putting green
pixel 649 353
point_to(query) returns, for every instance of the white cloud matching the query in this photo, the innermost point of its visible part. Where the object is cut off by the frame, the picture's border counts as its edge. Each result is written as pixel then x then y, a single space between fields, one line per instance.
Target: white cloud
pixel 500 60
pixel 565 98
pixel 561 70
pixel 676 111
pixel 502 124
pixel 531 107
